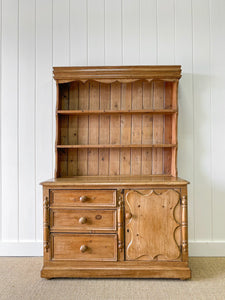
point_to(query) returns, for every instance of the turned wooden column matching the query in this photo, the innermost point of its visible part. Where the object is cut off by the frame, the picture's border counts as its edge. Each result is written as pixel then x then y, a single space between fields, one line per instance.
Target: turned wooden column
pixel 46 221
pixel 184 227
pixel 120 224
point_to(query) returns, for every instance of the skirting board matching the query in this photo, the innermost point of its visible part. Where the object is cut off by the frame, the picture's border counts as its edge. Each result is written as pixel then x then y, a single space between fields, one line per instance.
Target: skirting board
pixel 34 248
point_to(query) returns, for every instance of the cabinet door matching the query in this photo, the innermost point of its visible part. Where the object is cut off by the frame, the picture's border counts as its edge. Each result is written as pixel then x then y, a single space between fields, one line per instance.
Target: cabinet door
pixel 153 226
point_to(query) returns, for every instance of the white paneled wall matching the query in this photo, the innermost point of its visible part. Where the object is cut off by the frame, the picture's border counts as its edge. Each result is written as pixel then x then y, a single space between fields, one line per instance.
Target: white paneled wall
pixel 38 34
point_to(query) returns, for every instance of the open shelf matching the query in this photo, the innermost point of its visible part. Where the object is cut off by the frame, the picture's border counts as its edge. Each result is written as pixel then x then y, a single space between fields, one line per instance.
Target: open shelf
pixel 118 146
pixel 116 128
pixel 114 112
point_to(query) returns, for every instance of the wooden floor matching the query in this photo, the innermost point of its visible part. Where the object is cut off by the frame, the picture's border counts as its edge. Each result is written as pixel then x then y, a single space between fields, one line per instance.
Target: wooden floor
pixel 20 279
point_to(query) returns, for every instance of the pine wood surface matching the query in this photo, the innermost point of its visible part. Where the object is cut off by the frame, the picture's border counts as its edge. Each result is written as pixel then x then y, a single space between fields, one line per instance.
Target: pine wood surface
pixel 116 207
pixel 99 117
pixel 109 181
pixel 82 220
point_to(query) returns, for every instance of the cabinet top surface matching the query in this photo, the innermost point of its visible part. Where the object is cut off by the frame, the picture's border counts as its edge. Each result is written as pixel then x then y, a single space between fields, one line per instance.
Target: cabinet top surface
pixel 115 181
pixel 169 72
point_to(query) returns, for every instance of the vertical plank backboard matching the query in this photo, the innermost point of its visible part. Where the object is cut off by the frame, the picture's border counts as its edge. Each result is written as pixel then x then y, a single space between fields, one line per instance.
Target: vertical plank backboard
pixel 104 132
pixel 114 162
pixel 147 128
pixel 125 120
pixel 82 138
pixel 158 131
pixel 93 162
pixel 136 128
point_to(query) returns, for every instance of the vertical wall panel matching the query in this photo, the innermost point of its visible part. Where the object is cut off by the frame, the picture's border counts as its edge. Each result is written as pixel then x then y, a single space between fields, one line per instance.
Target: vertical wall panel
pixel 183 50
pixel 165 29
pixel 87 32
pixel 218 120
pixel 61 33
pixel 26 120
pixel 148 32
pixel 202 117
pixel 44 116
pixel 78 37
pixel 96 32
pixel 61 48
pixel 113 33
pixel 9 117
pixel 0 120
pixel 131 32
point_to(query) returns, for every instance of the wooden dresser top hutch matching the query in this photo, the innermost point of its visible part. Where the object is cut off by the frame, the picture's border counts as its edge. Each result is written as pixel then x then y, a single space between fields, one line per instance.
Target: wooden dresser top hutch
pixel 116 207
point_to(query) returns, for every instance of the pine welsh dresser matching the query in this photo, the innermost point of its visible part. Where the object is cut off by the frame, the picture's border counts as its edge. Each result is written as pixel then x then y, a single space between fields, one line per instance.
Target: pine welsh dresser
pixel 116 207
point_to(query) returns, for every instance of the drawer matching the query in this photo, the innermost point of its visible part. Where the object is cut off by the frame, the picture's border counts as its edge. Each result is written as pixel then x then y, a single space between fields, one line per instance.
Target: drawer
pixel 89 247
pixel 82 219
pixel 83 198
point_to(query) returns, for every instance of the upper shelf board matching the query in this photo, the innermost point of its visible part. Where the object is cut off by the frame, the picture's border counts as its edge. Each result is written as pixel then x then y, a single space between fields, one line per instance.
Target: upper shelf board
pixel 117 73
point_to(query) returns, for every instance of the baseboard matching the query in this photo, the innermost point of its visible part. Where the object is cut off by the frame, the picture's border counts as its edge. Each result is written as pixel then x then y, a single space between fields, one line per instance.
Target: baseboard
pixel 206 248
pixel 26 248
pixel 34 248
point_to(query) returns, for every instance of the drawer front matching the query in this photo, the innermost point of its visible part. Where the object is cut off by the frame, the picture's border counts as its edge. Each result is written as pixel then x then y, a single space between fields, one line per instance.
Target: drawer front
pixel 82 219
pixel 83 198
pixel 89 247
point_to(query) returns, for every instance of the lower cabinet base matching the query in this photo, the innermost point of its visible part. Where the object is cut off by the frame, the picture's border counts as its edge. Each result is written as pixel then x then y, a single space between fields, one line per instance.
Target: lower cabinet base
pixel 175 272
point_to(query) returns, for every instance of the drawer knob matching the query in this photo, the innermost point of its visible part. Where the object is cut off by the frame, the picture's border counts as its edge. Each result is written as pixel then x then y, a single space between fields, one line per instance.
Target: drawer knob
pixel 83 248
pixel 83 198
pixel 128 215
pixel 83 220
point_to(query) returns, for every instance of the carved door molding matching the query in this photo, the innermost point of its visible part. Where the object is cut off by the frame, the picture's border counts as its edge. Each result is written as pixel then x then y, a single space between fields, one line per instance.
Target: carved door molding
pixel 153 225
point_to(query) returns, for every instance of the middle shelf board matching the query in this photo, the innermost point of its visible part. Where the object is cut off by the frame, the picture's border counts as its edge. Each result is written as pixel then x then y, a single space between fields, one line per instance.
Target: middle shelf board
pixel 109 112
pixel 119 146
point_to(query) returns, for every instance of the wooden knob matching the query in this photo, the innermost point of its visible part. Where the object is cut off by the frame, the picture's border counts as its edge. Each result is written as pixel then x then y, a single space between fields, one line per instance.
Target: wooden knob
pixel 128 215
pixel 83 248
pixel 83 220
pixel 83 198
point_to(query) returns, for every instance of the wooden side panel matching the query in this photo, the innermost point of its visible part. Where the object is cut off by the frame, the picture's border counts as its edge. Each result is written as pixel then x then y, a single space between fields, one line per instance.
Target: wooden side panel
pixel 93 162
pixel 152 223
pixel 83 128
pixel 97 247
pixel 136 128
pixel 114 163
pixel 158 128
pixel 167 153
pixel 125 156
pixel 147 128
pixel 73 129
pixel 174 129
pixel 104 132
pixel 63 130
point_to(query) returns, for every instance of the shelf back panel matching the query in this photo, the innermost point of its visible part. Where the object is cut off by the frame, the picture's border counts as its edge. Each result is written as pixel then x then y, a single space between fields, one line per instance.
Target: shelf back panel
pixel 116 129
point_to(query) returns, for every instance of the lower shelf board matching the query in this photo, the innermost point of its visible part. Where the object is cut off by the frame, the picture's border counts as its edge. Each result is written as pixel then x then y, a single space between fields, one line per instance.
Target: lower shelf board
pixel 101 272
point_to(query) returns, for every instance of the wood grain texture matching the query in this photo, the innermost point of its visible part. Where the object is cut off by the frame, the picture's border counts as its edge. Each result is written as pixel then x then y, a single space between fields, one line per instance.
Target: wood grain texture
pixel 151 225
pixel 99 247
pixel 72 198
pixel 82 220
